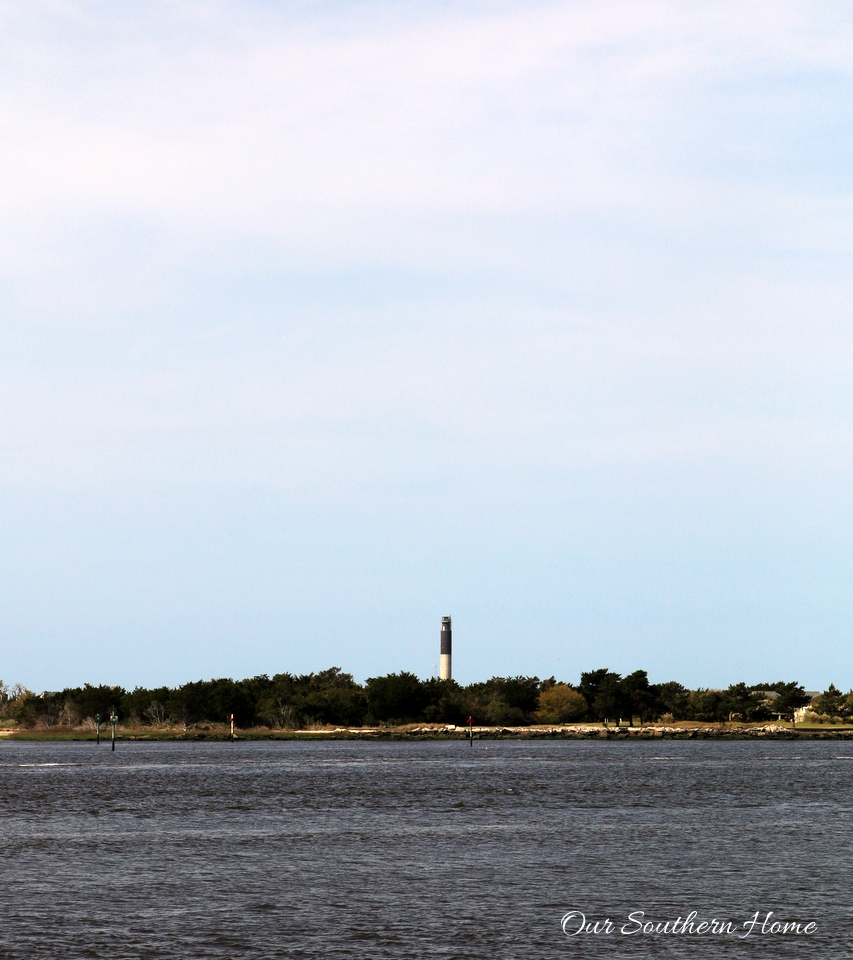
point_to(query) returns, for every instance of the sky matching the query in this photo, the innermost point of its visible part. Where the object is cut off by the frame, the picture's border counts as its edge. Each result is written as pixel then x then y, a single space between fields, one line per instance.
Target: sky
pixel 321 321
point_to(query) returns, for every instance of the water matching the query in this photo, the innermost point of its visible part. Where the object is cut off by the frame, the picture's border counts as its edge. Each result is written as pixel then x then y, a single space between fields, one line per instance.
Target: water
pixel 410 850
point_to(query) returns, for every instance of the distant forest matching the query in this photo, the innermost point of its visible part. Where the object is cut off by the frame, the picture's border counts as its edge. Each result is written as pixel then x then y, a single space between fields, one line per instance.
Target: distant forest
pixel 333 697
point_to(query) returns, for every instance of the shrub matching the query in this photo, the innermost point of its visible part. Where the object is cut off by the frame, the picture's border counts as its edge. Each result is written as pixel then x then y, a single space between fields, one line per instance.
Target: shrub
pixel 560 703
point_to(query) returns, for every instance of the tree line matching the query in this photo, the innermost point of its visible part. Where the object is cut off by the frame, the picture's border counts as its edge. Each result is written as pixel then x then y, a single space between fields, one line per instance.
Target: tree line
pixel 285 701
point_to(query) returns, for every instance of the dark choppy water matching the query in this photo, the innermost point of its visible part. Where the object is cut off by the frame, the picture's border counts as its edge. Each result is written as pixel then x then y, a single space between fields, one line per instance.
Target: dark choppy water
pixel 287 849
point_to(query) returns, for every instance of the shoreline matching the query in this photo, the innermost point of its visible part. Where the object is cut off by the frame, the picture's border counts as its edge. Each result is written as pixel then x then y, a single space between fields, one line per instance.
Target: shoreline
pixel 682 730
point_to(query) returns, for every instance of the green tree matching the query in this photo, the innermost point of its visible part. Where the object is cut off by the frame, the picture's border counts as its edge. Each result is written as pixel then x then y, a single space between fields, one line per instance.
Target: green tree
pixel 601 690
pixel 90 700
pixel 639 698
pixel 610 701
pixel 560 703
pixel 24 706
pixel 504 701
pixel 708 706
pixel 829 702
pixel 336 704
pixel 521 693
pixel 673 698
pixel 448 702
pixel 744 703
pixel 398 696
pixel 791 696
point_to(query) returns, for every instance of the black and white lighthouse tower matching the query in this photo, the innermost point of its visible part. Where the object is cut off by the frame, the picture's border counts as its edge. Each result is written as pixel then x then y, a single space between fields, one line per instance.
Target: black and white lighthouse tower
pixel 445 671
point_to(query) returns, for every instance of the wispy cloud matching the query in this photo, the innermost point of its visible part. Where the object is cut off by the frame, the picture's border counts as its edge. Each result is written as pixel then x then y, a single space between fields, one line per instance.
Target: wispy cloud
pixel 557 262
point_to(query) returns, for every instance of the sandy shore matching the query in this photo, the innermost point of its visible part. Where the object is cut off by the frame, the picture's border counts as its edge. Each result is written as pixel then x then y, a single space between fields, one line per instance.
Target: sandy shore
pixel 436 731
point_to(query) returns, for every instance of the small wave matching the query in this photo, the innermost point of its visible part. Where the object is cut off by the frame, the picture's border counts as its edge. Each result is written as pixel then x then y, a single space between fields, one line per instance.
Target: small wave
pixel 49 764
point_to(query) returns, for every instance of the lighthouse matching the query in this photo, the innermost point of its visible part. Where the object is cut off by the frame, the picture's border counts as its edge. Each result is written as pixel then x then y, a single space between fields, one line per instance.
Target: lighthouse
pixel 446 634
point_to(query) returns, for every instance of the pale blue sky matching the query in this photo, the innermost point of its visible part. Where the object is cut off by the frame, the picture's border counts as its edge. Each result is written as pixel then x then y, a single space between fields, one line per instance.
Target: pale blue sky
pixel 321 321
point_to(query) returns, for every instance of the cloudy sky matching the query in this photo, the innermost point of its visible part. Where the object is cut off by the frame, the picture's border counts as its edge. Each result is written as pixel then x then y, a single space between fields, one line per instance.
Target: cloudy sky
pixel 320 321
